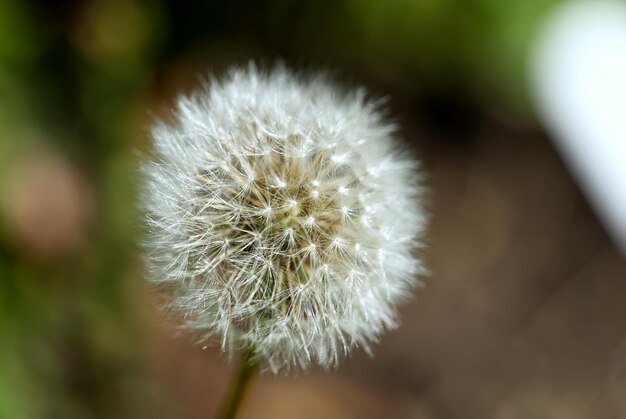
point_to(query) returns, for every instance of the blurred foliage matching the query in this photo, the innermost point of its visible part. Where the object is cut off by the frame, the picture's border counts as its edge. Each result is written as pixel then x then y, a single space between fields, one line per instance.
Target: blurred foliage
pixel 482 44
pixel 75 85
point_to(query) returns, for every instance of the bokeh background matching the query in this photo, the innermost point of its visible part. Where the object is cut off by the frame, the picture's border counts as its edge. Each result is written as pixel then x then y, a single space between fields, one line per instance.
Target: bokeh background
pixel 524 312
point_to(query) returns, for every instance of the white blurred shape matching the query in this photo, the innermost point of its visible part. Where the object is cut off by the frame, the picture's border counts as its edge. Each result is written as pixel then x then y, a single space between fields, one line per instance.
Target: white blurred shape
pixel 579 80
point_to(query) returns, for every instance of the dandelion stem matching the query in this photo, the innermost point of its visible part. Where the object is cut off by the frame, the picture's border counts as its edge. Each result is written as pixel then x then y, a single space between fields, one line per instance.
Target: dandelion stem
pixel 245 372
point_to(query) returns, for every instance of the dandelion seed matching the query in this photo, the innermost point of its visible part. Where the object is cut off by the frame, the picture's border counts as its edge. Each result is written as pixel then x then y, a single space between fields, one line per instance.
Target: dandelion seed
pixel 273 204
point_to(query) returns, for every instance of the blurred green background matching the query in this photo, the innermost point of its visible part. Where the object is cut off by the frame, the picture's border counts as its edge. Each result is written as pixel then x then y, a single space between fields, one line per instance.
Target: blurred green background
pixel 81 335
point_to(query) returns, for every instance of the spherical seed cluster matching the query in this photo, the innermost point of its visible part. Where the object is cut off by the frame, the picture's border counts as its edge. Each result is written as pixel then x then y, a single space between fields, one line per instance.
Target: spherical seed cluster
pixel 283 216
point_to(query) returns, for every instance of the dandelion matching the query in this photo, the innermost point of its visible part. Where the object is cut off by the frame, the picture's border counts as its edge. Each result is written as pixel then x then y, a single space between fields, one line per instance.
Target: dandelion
pixel 283 217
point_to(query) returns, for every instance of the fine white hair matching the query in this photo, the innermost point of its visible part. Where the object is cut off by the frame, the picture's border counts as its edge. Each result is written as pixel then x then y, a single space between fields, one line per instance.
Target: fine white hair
pixel 282 216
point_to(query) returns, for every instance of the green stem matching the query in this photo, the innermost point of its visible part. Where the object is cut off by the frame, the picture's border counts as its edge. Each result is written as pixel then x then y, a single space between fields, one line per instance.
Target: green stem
pixel 247 368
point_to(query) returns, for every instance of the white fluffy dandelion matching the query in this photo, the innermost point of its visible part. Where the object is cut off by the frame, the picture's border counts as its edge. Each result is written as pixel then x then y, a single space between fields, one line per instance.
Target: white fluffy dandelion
pixel 283 216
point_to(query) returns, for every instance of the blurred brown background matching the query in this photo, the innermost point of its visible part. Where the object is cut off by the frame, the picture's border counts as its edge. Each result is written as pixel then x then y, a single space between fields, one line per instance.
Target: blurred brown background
pixel 524 312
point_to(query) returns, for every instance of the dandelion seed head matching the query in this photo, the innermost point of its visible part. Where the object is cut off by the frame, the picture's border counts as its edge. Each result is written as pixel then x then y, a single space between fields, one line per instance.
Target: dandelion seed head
pixel 272 202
